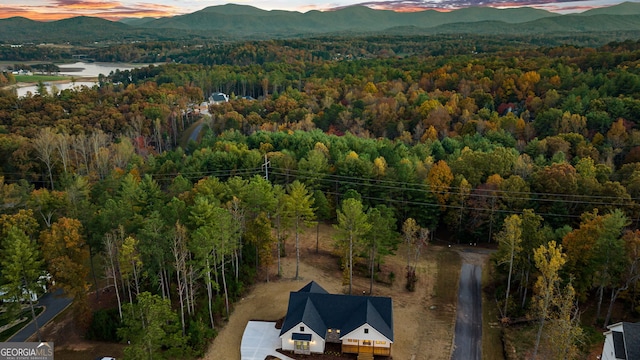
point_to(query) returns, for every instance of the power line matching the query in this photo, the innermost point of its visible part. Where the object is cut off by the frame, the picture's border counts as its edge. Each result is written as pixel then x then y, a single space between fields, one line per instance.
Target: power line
pixel 423 188
pixel 400 186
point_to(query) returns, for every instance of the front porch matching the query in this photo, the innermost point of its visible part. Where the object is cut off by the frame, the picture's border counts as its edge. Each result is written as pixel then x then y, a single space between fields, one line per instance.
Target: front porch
pixel 367 347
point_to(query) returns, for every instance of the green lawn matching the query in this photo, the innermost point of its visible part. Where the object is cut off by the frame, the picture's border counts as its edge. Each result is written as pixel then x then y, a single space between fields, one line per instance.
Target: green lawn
pixel 26 316
pixel 37 78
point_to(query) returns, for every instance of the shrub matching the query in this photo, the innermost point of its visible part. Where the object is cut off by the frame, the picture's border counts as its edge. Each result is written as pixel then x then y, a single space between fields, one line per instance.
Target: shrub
pixel 104 325
pixel 199 334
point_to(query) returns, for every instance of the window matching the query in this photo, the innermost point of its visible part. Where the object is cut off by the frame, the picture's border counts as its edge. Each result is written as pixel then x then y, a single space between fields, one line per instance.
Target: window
pixel 329 331
pixel 338 331
pixel 301 328
pixel 366 331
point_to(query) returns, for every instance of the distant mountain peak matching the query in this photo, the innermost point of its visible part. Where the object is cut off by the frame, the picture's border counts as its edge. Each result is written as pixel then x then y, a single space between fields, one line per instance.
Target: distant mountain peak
pixel 234 9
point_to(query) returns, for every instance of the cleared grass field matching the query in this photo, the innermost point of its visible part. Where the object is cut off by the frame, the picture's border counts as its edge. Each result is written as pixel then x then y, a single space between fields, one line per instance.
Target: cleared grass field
pixel 38 78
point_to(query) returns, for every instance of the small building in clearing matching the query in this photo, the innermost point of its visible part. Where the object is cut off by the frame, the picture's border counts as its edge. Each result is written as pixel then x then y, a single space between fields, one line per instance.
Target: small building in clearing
pixel 218 98
pixel 361 324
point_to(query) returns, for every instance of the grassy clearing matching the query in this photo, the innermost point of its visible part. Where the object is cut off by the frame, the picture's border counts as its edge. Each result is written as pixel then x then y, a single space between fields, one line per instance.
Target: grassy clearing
pixel 492 347
pixel 38 78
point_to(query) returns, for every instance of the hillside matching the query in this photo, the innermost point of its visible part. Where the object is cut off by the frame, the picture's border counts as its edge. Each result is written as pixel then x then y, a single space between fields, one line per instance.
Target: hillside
pixel 82 29
pixel 625 8
pixel 234 22
pixel 250 21
pixel 552 25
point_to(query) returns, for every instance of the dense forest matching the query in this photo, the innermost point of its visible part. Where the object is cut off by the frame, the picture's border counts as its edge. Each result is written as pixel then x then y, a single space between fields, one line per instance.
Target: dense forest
pixel 514 144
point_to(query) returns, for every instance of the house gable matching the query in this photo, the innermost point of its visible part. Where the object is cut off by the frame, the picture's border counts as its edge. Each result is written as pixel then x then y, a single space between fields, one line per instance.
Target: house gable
pixel 302 310
pixel 302 332
pixel 335 317
pixel 366 332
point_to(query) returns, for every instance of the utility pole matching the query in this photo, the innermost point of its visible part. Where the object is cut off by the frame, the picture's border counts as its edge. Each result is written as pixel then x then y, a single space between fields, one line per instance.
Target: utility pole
pixel 266 167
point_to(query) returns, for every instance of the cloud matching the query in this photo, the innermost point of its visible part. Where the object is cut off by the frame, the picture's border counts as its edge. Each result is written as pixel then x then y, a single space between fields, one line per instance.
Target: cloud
pixel 47 10
pixel 87 4
pixel 112 10
pixel 447 5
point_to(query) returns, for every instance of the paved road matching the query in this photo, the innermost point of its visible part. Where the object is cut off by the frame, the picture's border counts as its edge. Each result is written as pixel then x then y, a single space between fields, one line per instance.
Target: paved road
pixel 53 305
pixel 468 335
pixel 195 133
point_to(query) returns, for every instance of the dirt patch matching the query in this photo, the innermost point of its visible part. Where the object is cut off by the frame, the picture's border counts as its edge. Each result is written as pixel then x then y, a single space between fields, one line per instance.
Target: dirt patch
pixel 423 323
pixel 474 255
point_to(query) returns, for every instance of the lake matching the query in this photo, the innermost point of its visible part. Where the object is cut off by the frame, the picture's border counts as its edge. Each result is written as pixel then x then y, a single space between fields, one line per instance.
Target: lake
pixel 22 91
pixel 81 70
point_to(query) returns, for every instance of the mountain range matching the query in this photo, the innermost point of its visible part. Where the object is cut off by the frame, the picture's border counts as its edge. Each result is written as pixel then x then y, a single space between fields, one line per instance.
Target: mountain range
pixel 234 22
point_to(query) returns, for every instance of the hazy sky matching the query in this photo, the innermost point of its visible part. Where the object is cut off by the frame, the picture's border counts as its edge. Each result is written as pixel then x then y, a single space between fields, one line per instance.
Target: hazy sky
pixel 114 9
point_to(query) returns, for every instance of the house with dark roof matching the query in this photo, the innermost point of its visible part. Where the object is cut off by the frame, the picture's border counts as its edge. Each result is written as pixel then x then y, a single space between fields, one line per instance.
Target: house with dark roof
pixel 622 341
pixel 218 98
pixel 361 324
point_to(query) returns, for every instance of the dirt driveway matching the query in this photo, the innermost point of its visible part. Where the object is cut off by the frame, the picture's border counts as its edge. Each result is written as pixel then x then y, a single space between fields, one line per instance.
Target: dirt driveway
pixel 423 324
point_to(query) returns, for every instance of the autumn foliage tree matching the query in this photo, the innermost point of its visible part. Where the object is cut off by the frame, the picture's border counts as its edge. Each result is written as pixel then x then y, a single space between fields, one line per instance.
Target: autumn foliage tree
pixel 509 239
pixel 67 256
pixel 554 305
pixel 439 180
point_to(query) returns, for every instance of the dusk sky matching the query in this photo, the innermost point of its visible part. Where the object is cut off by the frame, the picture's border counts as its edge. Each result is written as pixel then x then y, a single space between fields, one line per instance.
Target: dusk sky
pixel 114 9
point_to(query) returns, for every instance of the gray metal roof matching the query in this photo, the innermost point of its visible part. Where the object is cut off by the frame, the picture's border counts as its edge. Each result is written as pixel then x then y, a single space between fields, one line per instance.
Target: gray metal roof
pixel 631 339
pixel 320 311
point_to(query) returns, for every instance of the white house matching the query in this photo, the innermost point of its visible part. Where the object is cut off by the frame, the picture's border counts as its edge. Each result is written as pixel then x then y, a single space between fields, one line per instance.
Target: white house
pixel 218 98
pixel 622 341
pixel 361 324
pixel 39 290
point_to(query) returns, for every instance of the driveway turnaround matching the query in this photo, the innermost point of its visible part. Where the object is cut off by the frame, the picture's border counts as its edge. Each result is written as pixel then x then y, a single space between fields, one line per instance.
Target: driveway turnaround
pixel 468 336
pixel 54 303
pixel 261 338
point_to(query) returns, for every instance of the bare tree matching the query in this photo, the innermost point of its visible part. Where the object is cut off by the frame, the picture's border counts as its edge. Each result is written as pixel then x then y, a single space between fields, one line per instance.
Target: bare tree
pixel 180 253
pixel 111 249
pixel 45 145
